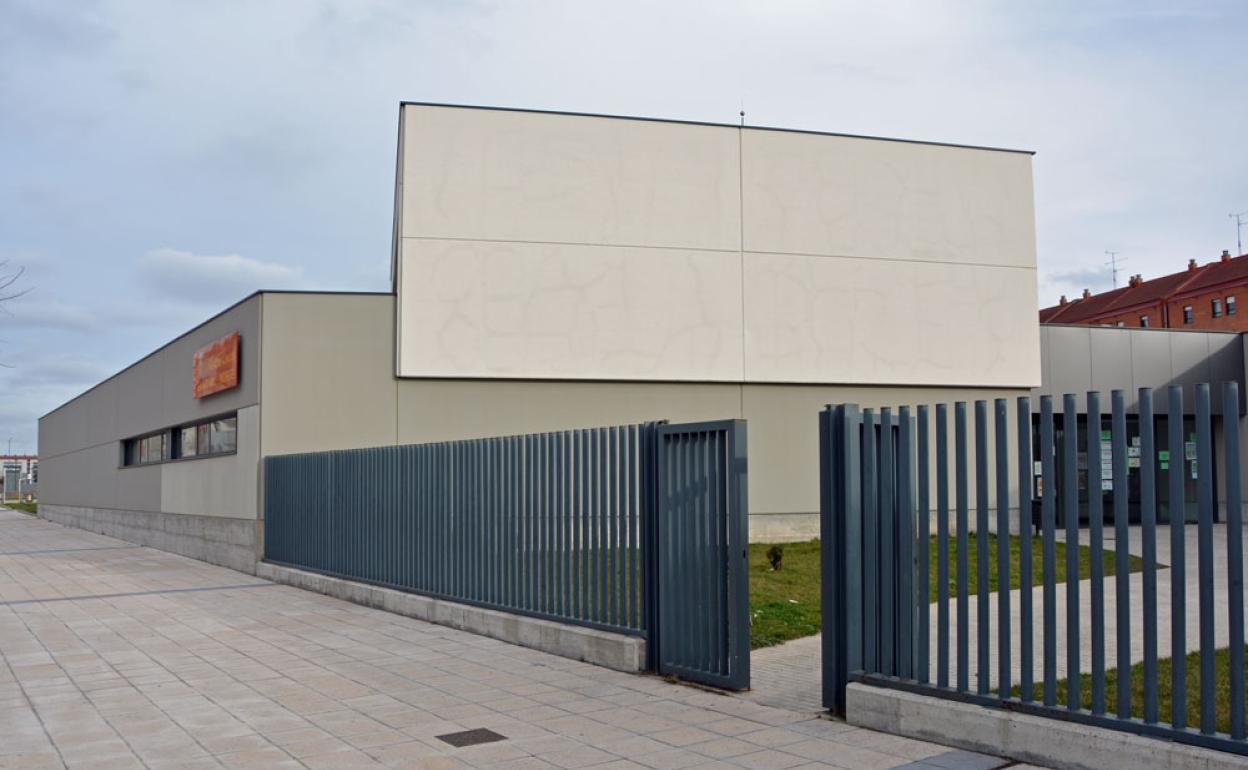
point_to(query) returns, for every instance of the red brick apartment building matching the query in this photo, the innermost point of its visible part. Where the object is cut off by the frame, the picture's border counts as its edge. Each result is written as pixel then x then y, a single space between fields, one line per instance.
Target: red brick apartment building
pixel 1200 297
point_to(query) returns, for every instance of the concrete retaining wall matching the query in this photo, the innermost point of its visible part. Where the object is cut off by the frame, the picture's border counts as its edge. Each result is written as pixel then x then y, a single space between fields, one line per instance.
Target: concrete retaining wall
pixel 215 539
pixel 617 651
pixel 1024 737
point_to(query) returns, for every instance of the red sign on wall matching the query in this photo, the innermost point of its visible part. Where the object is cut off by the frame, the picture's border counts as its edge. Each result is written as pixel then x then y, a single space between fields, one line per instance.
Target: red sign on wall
pixel 216 366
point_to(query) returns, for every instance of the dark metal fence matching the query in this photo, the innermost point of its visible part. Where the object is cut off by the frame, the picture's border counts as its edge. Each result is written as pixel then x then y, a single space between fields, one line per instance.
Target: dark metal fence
pixel 877 474
pixel 597 527
pixel 542 524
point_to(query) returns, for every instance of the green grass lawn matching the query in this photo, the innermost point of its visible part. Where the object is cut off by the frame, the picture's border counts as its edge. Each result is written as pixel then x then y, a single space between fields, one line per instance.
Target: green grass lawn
pixel 785 603
pixel 1221 689
pixel 27 507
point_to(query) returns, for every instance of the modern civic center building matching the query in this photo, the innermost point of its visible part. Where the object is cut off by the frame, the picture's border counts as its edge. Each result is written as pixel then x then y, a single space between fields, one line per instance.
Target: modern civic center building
pixel 554 271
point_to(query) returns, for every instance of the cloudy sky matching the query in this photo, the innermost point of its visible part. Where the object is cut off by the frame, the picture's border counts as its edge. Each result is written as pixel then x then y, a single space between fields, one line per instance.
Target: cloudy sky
pixel 159 160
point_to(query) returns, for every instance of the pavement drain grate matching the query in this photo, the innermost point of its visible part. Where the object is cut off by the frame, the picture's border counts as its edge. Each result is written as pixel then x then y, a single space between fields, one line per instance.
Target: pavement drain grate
pixel 471 737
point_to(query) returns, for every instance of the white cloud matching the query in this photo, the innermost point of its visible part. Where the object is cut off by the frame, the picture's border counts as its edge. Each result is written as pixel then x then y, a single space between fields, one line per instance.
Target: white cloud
pixel 205 279
pixel 31 313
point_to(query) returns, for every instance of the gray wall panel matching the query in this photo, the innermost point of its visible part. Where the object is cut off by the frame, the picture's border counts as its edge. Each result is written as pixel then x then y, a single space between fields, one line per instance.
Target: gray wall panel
pixel 1069 361
pixel 1150 354
pixel 1077 358
pixel 1111 362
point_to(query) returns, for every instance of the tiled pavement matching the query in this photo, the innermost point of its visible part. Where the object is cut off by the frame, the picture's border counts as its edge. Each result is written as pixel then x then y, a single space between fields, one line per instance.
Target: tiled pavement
pixel 113 656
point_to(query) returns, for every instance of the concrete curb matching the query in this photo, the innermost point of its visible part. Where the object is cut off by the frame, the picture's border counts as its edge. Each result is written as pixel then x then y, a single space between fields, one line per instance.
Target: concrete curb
pixel 602 648
pixel 1023 737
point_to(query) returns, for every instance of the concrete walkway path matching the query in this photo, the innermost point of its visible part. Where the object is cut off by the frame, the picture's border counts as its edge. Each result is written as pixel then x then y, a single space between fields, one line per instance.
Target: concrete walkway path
pixel 789 675
pixel 116 656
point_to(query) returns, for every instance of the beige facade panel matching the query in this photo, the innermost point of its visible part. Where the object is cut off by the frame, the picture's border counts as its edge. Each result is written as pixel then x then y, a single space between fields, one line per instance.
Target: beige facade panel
pixel 217 486
pixel 328 372
pixel 494 309
pixel 848 320
pixel 845 196
pixel 525 176
pixel 442 410
pixel 553 246
pixel 784 435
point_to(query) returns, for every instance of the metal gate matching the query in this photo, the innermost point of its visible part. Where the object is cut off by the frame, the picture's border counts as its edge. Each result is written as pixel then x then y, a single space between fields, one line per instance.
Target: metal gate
pixel 878 470
pixel 702 553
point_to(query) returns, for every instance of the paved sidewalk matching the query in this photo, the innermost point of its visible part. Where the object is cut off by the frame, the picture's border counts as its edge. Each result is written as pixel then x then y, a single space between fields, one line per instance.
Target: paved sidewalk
pixel 114 656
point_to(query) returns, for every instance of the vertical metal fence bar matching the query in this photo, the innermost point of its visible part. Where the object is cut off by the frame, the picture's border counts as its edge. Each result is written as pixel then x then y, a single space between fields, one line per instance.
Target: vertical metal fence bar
pixel 603 543
pixel 1234 555
pixel 1026 473
pixel 703 566
pixel 1003 549
pixel 547 513
pixel 724 531
pixel 831 556
pixel 565 517
pixel 582 526
pixel 427 531
pixel 1048 515
pixel 533 464
pixel 1070 510
pixel 621 530
pixel 870 544
pixel 475 562
pixel 613 531
pixel 1096 543
pixel 942 545
pixel 888 544
pixel 738 542
pixel 1122 553
pixel 983 551
pixel 634 589
pixel 490 474
pixel 1178 569
pixel 512 518
pixel 960 494
pixel 1148 539
pixel 923 590
pixel 688 520
pixel 852 442
pixel 1204 548
pixel 554 527
pixel 595 522
pixel 905 540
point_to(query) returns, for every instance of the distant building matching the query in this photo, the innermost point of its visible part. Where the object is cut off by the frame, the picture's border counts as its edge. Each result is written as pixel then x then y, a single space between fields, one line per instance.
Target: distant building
pixel 1200 297
pixel 27 465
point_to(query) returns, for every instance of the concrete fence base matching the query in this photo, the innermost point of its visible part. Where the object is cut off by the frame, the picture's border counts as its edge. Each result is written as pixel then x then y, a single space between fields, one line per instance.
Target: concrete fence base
pixel 603 648
pixel 1023 737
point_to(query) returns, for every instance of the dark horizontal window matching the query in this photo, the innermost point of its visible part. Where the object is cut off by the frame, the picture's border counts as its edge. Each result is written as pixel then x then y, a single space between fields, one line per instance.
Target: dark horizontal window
pixel 218 436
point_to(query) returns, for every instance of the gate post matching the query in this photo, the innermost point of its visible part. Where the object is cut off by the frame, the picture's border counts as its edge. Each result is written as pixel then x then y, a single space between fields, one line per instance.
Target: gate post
pixel 840 531
pixel 648 483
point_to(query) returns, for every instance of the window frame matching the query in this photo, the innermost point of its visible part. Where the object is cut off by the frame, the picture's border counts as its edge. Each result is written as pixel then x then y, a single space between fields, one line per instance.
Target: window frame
pixel 1189 315
pixel 171 441
pixel 1215 307
pixel 1230 304
pixel 1144 321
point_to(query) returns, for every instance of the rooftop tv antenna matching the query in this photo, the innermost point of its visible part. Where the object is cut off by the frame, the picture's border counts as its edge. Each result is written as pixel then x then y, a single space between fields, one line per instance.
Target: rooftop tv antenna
pixel 1239 229
pixel 1113 265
